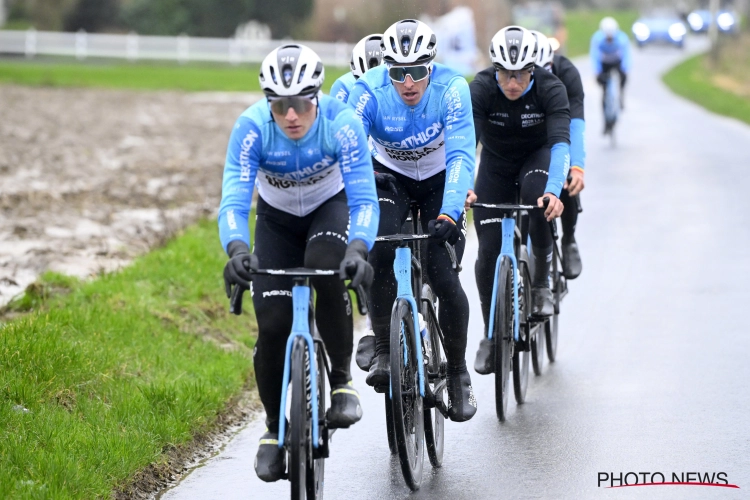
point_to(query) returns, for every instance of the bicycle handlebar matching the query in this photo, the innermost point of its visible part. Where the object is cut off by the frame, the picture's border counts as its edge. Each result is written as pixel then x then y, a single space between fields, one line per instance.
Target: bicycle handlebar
pixel 235 300
pixel 403 238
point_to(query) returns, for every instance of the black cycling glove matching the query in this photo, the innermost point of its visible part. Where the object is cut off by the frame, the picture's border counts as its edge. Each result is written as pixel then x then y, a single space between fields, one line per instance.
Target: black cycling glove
pixel 237 270
pixel 355 265
pixel 444 228
pixel 385 182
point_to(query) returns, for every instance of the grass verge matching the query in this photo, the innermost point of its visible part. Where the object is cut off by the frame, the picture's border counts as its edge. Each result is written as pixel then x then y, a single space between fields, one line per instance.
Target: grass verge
pixel 692 80
pixel 582 24
pixel 97 383
pixel 140 76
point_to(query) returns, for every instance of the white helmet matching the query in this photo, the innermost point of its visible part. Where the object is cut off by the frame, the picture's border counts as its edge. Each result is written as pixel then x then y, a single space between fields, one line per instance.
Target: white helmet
pixel 409 42
pixel 609 26
pixel 366 55
pixel 291 70
pixel 544 53
pixel 513 48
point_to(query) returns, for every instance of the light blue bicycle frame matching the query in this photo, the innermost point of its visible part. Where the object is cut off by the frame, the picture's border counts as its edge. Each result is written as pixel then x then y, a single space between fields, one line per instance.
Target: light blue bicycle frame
pixel 610 102
pixel 300 328
pixel 402 269
pixel 506 250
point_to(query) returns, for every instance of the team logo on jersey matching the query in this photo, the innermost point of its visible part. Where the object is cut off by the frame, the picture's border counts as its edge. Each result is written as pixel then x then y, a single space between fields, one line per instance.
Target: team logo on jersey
pixel 415 140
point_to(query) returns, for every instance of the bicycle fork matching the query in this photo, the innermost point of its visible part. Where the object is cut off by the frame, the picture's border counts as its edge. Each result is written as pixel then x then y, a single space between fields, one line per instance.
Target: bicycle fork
pixel 402 270
pixel 300 328
pixel 506 250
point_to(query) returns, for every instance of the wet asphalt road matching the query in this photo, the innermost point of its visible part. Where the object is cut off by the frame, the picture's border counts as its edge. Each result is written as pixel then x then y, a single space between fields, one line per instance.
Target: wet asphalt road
pixel 652 373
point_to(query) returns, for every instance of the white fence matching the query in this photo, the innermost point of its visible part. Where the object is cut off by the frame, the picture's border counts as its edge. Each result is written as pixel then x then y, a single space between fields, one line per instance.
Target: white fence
pixel 134 47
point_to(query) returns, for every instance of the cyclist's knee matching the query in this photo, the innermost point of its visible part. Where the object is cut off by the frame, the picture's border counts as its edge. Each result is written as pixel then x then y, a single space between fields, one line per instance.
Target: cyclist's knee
pixel 325 253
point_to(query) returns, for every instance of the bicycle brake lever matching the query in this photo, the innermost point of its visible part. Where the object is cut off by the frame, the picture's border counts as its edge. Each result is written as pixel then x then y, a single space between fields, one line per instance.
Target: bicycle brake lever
pixel 452 254
pixel 361 300
pixel 235 301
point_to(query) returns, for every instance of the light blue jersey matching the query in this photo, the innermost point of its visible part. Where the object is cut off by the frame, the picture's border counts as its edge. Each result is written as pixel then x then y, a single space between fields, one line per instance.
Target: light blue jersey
pixel 423 140
pixel 604 52
pixel 342 87
pixel 297 176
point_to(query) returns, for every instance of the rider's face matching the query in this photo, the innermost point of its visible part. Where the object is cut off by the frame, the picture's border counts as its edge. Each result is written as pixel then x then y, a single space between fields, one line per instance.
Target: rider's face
pixel 513 83
pixel 411 92
pixel 295 124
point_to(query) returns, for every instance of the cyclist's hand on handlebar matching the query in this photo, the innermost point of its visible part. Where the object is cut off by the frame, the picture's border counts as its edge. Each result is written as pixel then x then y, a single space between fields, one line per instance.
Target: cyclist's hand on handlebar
pixel 444 228
pixel 355 266
pixel 575 183
pixel 385 182
pixel 237 271
pixel 554 208
pixel 470 198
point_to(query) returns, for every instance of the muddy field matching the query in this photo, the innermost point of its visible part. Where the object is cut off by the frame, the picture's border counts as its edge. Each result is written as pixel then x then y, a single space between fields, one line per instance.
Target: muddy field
pixel 91 178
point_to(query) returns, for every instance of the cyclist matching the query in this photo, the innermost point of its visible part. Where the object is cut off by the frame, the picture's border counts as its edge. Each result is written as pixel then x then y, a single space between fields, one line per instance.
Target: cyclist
pixel 610 49
pixel 418 115
pixel 562 68
pixel 307 155
pixel 522 119
pixel 365 56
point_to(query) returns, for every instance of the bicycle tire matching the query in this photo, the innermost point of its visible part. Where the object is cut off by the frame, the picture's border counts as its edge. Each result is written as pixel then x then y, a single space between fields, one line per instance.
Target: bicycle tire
pixel 434 422
pixel 316 466
pixel 408 419
pixel 551 325
pixel 521 357
pixel 299 422
pixel 503 335
pixel 389 426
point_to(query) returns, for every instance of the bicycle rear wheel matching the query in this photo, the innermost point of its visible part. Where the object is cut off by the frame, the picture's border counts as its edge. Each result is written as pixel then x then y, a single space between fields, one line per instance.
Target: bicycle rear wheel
pixel 389 425
pixel 521 357
pixel 434 422
pixel 300 446
pixel 408 419
pixel 503 335
pixel 551 325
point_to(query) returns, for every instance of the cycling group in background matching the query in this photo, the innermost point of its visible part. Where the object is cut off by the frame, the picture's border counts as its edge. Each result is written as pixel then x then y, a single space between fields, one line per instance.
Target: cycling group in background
pixel 334 171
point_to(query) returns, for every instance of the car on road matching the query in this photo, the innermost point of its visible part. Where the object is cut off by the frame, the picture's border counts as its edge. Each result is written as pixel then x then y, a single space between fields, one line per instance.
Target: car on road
pixel 726 20
pixel 662 27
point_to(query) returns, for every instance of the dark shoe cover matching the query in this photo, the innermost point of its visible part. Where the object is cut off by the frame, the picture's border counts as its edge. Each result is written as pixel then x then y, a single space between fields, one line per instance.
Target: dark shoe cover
pixel 380 373
pixel 462 405
pixel 484 364
pixel 365 352
pixel 541 302
pixel 345 409
pixel 270 461
pixel 571 261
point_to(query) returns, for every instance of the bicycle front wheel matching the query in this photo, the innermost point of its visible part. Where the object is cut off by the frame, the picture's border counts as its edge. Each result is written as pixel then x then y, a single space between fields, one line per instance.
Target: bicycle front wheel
pixel 408 419
pixel 435 371
pixel 551 325
pixel 521 357
pixel 316 466
pixel 300 446
pixel 503 335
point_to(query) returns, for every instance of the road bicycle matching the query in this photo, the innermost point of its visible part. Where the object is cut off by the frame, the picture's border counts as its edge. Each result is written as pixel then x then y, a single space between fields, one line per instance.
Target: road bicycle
pixel 416 401
pixel 611 104
pixel 517 334
pixel 306 441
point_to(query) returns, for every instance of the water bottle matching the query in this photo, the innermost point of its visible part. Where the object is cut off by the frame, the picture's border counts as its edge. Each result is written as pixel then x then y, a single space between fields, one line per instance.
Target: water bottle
pixel 426 347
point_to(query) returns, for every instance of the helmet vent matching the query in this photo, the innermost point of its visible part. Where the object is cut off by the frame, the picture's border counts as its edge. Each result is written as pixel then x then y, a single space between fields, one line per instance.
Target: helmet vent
pixel 513 54
pixel 525 51
pixel 318 70
pixel 287 73
pixel 301 73
pixel 273 75
pixel 502 53
pixel 418 44
pixel 372 63
pixel 405 44
pixel 361 65
pixel 393 45
pixel 433 42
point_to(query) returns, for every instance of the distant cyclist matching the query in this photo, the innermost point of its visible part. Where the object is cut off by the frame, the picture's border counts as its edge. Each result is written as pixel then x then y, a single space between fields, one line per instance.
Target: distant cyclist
pixel 307 154
pixel 566 71
pixel 522 119
pixel 418 114
pixel 610 49
pixel 365 56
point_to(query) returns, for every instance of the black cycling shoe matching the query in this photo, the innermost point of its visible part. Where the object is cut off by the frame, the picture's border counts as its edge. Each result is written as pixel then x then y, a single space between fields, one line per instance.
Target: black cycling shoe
pixel 365 352
pixel 345 409
pixel 571 261
pixel 484 364
pixel 270 461
pixel 462 405
pixel 379 376
pixel 541 302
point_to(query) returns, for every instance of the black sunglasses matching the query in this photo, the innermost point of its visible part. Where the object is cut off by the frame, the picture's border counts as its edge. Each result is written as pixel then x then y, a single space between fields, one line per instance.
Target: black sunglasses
pixel 417 73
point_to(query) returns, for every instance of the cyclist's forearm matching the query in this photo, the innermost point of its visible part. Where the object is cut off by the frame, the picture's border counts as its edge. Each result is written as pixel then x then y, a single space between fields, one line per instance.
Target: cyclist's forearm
pixel 577 144
pixel 233 226
pixel 558 169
